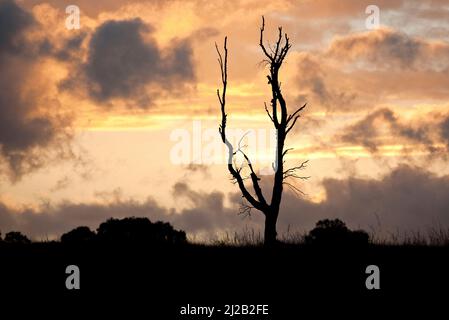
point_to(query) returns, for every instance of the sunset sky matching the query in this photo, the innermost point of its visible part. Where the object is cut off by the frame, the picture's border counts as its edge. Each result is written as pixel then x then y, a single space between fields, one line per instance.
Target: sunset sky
pixel 92 120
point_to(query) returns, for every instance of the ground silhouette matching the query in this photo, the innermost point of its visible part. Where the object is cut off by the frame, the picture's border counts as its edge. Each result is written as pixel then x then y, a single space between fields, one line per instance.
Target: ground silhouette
pixel 336 233
pixel 134 258
pixel 130 230
pixel 139 230
pixel 15 237
pixel 78 235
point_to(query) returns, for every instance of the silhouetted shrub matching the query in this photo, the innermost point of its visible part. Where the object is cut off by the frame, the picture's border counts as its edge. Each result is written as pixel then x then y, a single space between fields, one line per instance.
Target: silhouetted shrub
pixel 359 237
pixel 78 235
pixel 139 230
pixel 15 237
pixel 335 233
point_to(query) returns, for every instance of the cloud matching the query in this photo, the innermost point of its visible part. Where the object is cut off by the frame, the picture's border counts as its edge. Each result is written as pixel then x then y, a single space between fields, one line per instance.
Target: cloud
pixel 124 62
pixel 69 49
pixel 444 127
pixel 26 133
pixel 407 198
pixel 383 127
pixel 387 48
pixel 93 9
pixel 325 9
pixel 206 214
pixel 51 221
pixel 13 21
pixel 315 85
pixel 359 70
pixel 193 168
pixel 61 184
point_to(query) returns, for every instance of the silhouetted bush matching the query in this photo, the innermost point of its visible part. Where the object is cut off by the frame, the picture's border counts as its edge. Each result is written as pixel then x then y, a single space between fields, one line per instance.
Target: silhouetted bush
pixel 335 233
pixel 78 235
pixel 139 230
pixel 15 237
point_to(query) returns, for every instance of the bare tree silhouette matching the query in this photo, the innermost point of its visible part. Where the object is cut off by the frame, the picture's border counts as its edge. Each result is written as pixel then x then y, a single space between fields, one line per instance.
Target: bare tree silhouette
pixel 282 121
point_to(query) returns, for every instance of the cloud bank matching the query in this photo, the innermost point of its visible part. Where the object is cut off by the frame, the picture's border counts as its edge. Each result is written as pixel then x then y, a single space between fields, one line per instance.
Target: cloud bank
pixel 30 129
pixel 408 198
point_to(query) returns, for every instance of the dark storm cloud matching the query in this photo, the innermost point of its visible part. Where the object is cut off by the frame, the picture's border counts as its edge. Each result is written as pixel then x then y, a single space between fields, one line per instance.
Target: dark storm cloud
pixel 407 198
pixel 121 64
pixel 367 131
pixel 23 133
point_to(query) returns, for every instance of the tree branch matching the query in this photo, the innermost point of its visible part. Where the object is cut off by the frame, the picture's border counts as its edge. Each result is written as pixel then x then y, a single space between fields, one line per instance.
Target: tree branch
pixel 286 150
pixel 291 172
pixel 296 190
pixel 268 112
pixel 262 29
pixel 223 62
pixel 297 111
pixel 254 178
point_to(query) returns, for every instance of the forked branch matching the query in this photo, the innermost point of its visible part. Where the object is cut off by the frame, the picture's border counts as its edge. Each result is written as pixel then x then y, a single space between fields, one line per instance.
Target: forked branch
pixel 260 202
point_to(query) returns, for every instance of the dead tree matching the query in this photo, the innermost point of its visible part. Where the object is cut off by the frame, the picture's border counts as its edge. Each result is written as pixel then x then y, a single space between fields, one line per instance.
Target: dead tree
pixel 282 121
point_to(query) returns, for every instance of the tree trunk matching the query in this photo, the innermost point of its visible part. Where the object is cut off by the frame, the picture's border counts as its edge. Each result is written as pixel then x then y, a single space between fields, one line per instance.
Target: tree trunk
pixel 270 233
pixel 283 122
